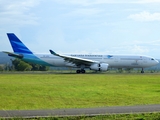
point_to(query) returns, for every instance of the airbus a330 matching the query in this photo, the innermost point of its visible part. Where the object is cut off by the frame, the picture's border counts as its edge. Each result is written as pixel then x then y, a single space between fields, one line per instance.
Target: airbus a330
pixel 80 61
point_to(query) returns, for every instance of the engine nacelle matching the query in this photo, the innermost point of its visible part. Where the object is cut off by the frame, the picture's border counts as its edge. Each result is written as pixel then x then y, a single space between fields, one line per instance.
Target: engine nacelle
pixel 99 67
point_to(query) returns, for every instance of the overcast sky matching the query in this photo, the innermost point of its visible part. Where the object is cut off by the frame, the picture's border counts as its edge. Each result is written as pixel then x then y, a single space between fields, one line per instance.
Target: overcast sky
pixel 83 26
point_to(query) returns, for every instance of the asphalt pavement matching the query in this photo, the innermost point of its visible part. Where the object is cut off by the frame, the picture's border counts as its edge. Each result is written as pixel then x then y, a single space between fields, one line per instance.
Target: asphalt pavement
pixel 79 111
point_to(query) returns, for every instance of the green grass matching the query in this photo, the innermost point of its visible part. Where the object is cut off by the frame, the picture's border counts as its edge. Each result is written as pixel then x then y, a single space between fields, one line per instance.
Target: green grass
pixel 140 116
pixel 49 91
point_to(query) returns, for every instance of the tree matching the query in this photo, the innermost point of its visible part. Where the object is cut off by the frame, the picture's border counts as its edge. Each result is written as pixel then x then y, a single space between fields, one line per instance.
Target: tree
pixel 43 68
pixel 35 67
pixel 1 68
pixel 120 70
pixel 129 70
pixel 23 66
pixel 20 65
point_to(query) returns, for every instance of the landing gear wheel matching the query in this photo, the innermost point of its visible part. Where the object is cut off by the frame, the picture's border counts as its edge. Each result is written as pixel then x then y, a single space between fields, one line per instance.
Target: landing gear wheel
pixel 78 71
pixel 83 71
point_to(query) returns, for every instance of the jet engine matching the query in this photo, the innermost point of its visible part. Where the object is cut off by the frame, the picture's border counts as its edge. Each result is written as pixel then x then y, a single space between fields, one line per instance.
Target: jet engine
pixel 99 67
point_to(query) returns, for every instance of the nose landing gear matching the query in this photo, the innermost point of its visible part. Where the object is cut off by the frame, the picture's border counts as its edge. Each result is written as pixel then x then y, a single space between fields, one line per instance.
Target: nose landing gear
pixel 142 71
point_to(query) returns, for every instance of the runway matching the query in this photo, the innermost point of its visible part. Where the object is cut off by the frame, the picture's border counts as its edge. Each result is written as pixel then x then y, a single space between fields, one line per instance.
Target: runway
pixel 79 112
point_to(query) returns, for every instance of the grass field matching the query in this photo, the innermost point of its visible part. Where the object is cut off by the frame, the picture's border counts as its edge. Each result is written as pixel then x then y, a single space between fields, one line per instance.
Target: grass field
pixel 140 116
pixel 49 91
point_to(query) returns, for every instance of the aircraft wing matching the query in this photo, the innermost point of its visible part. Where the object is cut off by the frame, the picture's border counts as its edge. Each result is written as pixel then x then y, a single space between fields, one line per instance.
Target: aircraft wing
pixel 14 54
pixel 75 60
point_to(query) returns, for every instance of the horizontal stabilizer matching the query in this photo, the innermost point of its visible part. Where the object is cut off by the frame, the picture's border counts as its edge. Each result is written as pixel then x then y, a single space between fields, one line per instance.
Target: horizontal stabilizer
pixel 14 55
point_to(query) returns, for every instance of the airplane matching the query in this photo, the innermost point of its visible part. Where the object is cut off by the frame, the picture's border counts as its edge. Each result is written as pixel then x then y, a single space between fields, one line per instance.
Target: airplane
pixel 80 61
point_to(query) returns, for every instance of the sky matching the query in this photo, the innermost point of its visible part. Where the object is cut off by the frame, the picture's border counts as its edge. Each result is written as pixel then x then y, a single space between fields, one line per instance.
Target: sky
pixel 83 26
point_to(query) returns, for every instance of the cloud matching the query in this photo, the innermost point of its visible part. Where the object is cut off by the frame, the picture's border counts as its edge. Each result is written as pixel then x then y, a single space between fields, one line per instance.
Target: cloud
pixel 148 43
pixel 147 1
pixel 91 2
pixel 17 12
pixel 97 2
pixel 84 12
pixel 136 49
pixel 145 16
pixel 130 49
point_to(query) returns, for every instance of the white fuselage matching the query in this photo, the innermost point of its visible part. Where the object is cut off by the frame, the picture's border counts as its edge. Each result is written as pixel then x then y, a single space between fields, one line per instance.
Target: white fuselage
pixel 114 61
pixel 94 62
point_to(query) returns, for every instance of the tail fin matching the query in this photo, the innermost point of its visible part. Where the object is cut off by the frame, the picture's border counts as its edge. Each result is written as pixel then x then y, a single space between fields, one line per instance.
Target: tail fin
pixel 17 45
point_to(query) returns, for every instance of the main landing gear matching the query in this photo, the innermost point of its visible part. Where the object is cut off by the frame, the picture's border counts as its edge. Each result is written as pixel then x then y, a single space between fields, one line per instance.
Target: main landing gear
pixel 81 71
pixel 142 71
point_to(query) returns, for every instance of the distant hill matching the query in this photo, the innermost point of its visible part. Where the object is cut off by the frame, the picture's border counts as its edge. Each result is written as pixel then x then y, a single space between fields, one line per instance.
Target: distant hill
pixel 5 59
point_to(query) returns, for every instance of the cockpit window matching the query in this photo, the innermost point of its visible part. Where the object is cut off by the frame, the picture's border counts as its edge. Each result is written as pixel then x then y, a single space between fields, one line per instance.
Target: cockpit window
pixel 152 59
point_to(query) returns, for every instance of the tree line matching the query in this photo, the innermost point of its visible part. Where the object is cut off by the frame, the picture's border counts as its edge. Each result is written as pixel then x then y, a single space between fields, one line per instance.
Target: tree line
pixel 19 65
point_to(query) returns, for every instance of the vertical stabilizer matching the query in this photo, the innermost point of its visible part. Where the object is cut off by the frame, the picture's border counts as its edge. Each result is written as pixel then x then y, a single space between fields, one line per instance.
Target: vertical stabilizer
pixel 17 45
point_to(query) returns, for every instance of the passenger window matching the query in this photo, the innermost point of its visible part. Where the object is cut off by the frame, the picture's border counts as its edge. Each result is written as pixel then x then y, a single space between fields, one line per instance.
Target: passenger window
pixel 152 59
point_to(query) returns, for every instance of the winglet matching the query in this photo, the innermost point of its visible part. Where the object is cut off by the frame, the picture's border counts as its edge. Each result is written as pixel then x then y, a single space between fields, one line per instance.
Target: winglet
pixel 52 52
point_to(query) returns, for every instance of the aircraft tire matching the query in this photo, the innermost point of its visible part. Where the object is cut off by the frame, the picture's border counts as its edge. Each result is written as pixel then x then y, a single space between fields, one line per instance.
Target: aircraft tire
pixel 83 71
pixel 78 71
